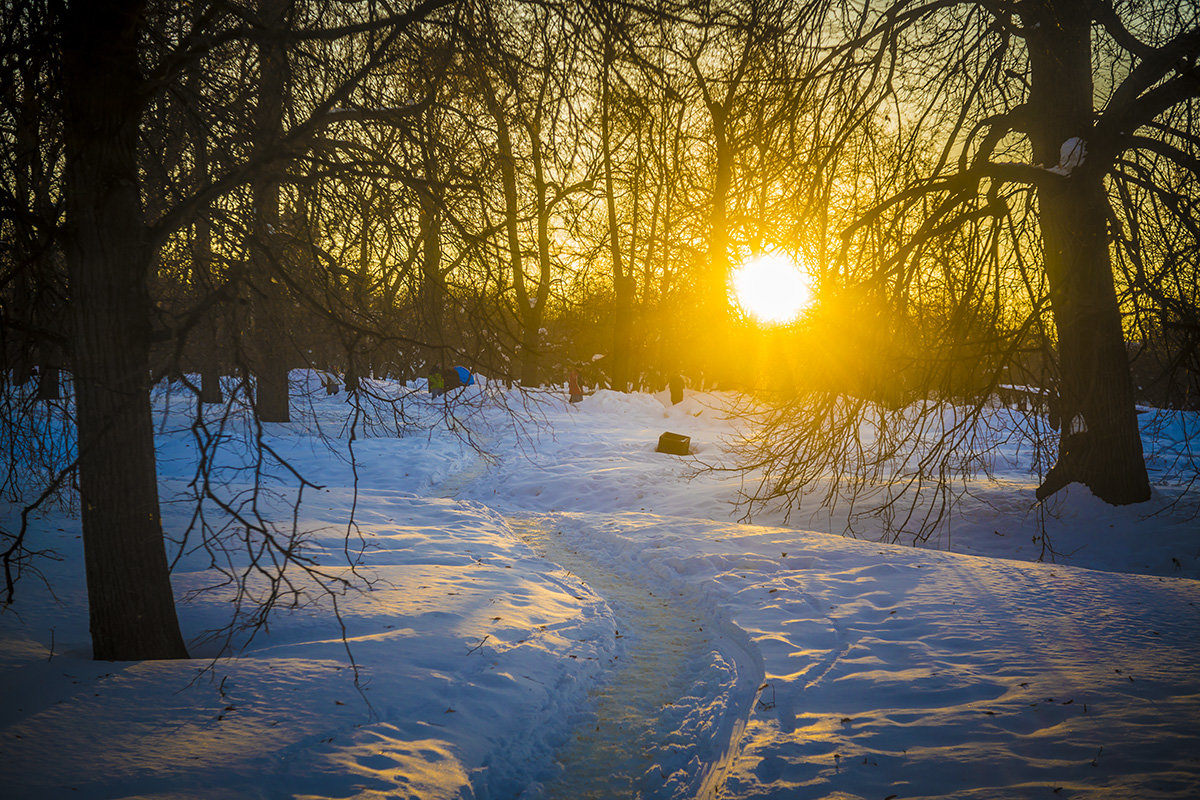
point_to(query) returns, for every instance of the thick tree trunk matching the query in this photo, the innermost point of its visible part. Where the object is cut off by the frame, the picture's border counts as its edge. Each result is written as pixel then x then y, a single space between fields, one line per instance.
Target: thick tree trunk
pixel 531 350
pixel 271 386
pixel 49 378
pixel 270 313
pixel 210 385
pixel 352 373
pixel 1100 444
pixel 129 590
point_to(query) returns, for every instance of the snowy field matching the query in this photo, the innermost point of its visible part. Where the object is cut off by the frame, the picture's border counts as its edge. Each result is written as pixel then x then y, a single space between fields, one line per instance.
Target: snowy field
pixel 578 616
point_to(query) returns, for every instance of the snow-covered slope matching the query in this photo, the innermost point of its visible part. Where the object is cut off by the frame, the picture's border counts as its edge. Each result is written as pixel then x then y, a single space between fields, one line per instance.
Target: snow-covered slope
pixel 821 666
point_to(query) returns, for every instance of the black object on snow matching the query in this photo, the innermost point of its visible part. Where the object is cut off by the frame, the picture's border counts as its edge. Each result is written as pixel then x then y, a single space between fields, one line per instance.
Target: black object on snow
pixel 676 384
pixel 675 444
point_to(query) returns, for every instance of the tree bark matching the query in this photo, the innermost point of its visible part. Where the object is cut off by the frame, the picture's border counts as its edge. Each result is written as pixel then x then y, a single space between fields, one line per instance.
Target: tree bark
pixel 209 356
pixel 210 346
pixel 1100 445
pixel 622 273
pixel 528 313
pixel 36 285
pixel 432 290
pixel 271 369
pixel 49 379
pixel 537 302
pixel 131 604
pixel 716 336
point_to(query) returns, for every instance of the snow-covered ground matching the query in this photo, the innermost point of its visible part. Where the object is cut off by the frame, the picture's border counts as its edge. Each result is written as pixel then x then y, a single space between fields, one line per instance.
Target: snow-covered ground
pixel 581 617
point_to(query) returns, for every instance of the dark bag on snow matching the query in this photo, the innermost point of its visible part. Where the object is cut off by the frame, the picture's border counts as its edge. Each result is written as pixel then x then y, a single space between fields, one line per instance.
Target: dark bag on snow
pixel 675 444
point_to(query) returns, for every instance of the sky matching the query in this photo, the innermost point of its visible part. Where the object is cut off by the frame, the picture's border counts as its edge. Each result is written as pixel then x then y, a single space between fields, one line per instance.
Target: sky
pixel 552 609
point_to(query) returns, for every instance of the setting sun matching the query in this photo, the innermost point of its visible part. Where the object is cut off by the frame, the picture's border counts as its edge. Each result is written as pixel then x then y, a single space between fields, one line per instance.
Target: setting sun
pixel 772 288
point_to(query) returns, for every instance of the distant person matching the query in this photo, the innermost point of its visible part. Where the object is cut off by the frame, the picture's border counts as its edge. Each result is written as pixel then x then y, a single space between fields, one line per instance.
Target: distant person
pixel 437 384
pixel 675 383
pixel 456 378
pixel 573 387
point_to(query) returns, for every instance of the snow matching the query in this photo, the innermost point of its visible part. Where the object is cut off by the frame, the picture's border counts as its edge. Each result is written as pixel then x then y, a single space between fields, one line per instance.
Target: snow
pixel 1071 156
pixel 519 605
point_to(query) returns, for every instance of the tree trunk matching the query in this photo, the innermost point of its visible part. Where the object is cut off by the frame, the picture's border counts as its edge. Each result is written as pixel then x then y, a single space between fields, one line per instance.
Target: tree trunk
pixel 718 258
pixel 716 336
pixel 432 290
pixel 49 378
pixel 209 353
pixel 1100 445
pixel 210 384
pixel 130 600
pixel 352 373
pixel 537 303
pixel 621 272
pixel 528 313
pixel 209 356
pixel 355 342
pixel 271 369
pixel 36 285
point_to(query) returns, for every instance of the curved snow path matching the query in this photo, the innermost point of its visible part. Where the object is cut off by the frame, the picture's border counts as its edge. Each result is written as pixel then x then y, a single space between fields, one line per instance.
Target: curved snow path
pixel 663 722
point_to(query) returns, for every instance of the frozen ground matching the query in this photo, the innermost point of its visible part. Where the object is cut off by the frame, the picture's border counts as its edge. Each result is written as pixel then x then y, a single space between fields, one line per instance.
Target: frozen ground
pixel 520 609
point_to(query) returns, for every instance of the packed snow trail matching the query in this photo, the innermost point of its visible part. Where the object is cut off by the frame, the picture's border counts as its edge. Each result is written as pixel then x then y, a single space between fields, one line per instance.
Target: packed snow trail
pixel 667 645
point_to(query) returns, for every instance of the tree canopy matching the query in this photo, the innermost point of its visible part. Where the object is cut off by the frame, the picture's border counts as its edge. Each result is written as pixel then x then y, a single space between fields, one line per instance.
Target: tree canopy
pixel 987 198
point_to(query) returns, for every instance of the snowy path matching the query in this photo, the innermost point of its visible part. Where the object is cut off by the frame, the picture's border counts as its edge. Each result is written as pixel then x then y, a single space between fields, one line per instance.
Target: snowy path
pixel 612 752
pixel 668 718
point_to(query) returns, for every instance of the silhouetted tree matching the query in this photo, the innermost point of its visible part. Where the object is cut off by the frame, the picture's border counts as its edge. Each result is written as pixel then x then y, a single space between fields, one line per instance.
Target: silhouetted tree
pixel 984 204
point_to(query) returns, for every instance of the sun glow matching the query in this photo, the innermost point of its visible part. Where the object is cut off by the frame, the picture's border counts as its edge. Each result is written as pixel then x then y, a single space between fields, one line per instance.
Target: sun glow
pixel 772 288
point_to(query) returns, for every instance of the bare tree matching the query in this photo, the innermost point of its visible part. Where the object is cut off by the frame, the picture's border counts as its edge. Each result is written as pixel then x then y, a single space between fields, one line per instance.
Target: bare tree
pixel 525 70
pixel 115 56
pixel 109 259
pixel 267 287
pixel 985 206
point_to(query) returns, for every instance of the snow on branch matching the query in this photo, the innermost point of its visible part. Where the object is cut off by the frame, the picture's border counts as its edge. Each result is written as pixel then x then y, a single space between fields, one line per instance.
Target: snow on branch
pixel 1070 156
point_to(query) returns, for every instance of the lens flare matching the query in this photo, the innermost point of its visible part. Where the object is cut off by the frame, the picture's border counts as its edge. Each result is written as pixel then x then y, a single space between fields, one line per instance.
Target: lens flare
pixel 771 288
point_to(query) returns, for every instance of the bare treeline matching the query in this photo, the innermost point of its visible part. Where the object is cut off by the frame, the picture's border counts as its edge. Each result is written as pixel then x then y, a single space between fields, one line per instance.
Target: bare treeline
pixel 989 196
